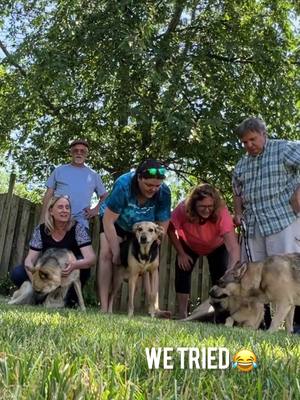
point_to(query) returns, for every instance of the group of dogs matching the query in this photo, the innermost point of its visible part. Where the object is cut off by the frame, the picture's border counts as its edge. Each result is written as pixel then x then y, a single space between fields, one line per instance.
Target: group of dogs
pixel 241 292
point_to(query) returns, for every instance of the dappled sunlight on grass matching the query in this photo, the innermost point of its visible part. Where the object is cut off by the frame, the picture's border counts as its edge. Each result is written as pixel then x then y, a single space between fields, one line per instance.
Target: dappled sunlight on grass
pixel 83 355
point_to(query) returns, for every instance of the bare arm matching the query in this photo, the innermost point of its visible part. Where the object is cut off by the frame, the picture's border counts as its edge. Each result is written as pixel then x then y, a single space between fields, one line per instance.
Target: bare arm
pixel 87 261
pixel 92 212
pixel 30 260
pixel 233 248
pixel 238 209
pixel 109 218
pixel 47 196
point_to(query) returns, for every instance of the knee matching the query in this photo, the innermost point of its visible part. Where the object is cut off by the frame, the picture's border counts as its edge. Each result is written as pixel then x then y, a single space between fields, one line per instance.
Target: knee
pixel 105 257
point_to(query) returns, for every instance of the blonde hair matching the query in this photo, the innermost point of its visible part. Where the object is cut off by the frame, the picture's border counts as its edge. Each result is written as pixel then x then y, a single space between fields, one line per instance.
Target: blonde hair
pixel 49 220
pixel 199 193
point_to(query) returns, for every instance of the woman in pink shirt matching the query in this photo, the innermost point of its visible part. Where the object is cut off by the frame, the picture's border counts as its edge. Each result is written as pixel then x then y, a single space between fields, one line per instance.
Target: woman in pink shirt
pixel 201 226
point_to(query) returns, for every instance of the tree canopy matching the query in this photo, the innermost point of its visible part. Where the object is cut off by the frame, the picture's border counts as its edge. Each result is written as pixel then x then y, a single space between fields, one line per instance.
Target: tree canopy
pixel 164 79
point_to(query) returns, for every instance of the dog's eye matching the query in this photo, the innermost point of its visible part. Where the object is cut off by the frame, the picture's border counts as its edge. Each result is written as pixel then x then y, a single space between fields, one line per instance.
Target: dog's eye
pixel 151 230
pixel 140 229
pixel 43 275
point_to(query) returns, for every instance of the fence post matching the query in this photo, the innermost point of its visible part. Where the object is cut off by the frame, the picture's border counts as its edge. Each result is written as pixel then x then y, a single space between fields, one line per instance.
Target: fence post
pixel 4 221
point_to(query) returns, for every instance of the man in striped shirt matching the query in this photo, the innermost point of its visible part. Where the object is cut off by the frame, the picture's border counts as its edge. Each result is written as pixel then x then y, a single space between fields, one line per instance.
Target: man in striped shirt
pixel 266 186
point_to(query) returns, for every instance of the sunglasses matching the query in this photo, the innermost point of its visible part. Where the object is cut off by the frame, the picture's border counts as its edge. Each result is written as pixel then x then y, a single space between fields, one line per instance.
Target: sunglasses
pixel 156 171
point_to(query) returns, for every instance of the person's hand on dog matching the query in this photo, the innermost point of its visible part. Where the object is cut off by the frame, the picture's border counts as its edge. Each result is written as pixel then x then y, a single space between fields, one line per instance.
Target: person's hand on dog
pixel 185 261
pixel 68 269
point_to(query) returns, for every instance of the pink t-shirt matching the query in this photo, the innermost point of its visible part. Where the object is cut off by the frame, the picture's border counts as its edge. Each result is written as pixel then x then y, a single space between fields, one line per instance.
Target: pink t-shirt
pixel 205 238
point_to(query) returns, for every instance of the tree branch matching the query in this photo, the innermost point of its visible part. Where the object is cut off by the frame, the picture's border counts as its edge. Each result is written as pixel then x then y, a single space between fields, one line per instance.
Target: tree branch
pixel 51 108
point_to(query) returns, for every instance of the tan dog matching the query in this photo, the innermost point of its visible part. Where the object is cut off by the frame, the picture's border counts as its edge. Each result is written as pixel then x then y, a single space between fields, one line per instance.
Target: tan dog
pixel 242 312
pixel 275 280
pixel 47 280
pixel 139 254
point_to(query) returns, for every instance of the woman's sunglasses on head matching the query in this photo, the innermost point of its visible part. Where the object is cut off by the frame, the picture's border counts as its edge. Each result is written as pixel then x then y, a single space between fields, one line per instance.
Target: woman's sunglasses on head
pixel 156 172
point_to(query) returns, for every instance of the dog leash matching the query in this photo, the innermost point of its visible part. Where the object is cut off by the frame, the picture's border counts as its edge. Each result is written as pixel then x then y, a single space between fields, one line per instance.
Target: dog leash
pixel 245 237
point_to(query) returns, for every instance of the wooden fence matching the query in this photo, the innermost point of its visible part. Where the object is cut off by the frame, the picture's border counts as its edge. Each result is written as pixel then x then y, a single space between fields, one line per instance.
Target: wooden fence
pixel 19 217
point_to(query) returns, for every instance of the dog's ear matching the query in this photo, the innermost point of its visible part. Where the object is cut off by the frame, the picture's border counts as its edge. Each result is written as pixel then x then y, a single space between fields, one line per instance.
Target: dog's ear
pixel 252 278
pixel 160 231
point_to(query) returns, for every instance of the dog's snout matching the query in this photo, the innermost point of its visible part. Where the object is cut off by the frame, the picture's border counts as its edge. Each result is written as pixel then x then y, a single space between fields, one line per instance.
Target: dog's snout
pixel 143 239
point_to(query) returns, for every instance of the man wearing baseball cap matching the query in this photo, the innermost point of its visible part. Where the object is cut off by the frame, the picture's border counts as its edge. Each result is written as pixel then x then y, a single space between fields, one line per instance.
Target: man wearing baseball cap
pixel 79 182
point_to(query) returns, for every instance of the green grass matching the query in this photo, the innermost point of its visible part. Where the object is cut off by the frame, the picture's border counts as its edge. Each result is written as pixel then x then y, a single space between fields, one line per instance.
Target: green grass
pixel 74 355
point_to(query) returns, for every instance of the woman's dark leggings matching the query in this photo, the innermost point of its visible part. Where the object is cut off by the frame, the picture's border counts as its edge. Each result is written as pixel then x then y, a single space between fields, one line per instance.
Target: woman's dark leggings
pixel 217 262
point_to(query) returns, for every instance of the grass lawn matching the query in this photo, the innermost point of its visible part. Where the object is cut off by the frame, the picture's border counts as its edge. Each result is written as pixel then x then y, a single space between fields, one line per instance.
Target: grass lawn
pixel 74 355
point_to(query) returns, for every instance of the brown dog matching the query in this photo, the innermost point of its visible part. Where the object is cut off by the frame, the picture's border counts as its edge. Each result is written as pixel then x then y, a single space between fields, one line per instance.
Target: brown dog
pixel 140 255
pixel 275 280
pixel 47 280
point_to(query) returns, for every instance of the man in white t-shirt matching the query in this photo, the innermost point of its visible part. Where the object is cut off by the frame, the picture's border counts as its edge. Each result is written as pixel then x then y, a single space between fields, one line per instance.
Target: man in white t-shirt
pixel 77 181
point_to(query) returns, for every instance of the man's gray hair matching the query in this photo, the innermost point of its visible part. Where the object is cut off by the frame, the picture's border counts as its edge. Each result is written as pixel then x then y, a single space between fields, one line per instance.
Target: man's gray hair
pixel 251 124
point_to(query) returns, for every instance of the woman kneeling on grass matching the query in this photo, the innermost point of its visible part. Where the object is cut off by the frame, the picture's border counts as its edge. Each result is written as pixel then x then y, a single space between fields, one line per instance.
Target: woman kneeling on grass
pixel 62 232
pixel 201 226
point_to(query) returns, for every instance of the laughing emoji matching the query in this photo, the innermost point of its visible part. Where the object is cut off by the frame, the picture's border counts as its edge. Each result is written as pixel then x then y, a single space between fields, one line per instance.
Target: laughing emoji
pixel 244 360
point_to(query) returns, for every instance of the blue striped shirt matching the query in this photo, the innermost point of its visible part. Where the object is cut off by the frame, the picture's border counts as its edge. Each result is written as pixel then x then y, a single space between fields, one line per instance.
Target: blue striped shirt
pixel 266 183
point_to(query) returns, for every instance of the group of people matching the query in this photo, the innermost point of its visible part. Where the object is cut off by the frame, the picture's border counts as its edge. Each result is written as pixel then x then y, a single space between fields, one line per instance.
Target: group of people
pixel 266 187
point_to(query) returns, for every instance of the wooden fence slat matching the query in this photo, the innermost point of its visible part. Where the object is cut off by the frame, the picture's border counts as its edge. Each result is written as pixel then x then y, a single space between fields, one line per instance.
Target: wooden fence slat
pixel 8 246
pixel 37 209
pixel 124 297
pixel 194 281
pixel 5 216
pixel 3 226
pixel 163 272
pixel 94 229
pixel 171 291
pixel 21 238
pixel 2 202
pixel 205 280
